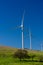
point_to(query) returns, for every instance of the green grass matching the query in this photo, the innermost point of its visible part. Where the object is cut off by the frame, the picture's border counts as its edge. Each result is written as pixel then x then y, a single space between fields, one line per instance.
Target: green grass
pixel 6 57
pixel 12 61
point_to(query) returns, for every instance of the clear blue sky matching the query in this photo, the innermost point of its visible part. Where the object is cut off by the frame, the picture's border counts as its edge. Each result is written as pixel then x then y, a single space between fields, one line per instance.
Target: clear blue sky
pixel 11 12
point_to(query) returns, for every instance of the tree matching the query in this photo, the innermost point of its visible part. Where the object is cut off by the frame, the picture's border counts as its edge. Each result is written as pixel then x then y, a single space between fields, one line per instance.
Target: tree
pixel 21 54
pixel 41 58
pixel 32 56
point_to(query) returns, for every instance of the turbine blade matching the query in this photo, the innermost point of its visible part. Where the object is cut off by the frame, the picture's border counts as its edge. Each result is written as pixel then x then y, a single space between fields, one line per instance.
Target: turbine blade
pixel 22 19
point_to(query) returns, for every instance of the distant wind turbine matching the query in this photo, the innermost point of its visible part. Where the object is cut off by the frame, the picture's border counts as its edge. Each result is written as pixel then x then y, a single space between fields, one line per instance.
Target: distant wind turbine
pixel 41 47
pixel 30 36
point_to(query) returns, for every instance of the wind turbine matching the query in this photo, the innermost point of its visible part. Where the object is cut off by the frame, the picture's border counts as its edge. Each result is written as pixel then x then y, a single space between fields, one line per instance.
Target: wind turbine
pixel 22 28
pixel 30 37
pixel 41 47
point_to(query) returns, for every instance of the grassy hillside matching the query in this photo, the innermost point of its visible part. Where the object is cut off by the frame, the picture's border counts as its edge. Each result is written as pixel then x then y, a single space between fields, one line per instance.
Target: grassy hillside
pixel 5 49
pixel 6 57
pixel 9 51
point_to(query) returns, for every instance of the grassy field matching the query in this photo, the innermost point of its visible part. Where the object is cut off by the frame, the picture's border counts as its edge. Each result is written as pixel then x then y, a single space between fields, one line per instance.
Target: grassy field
pixel 6 57
pixel 12 61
